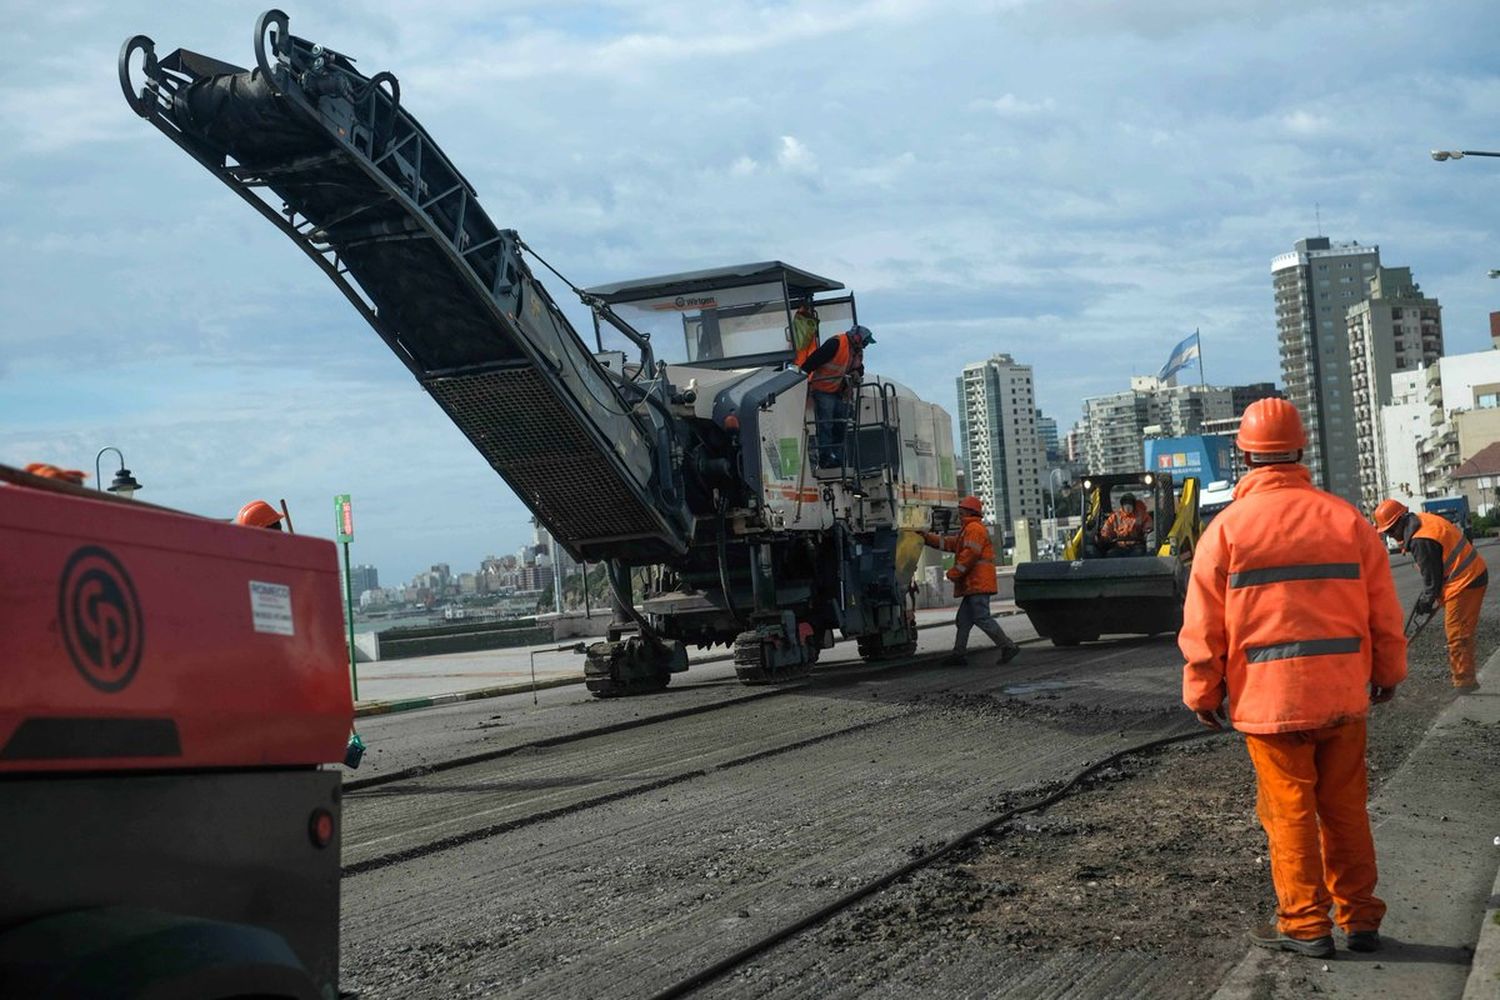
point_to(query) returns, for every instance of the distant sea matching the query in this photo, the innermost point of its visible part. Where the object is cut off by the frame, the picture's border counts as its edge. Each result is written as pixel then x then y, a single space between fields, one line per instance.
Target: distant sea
pixel 380 624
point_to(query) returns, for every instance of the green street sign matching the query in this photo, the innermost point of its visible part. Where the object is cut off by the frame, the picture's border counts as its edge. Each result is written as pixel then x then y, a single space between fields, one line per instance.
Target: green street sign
pixel 343 517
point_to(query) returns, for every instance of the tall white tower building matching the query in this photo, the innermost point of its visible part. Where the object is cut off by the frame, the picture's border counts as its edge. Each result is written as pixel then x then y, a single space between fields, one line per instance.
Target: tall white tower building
pixel 1002 453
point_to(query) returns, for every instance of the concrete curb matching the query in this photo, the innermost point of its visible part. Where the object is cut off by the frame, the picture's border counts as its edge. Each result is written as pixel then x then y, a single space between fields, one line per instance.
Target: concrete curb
pixel 371 708
pixel 1484 974
pixel 454 697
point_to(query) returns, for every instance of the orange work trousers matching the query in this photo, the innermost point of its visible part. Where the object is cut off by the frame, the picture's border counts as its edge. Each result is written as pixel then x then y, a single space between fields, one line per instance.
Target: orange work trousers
pixel 1311 800
pixel 1461 621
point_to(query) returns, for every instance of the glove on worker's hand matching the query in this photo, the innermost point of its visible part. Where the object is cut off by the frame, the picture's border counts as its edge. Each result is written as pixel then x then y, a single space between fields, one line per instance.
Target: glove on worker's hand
pixel 1424 605
pixel 1380 695
pixel 1213 720
pixel 954 575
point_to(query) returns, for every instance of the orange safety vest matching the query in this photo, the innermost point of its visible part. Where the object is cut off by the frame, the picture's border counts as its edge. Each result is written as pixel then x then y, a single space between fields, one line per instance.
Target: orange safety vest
pixel 1462 565
pixel 1127 525
pixel 975 559
pixel 1291 609
pixel 830 376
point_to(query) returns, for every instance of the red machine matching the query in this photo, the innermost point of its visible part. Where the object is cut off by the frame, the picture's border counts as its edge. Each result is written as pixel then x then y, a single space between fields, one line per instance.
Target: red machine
pixel 169 686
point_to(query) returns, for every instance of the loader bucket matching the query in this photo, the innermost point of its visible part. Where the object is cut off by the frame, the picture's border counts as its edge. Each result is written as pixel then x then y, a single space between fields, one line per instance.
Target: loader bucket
pixel 1077 601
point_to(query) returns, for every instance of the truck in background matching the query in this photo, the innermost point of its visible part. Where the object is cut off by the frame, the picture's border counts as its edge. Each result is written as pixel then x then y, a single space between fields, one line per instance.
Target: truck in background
pixel 1455 509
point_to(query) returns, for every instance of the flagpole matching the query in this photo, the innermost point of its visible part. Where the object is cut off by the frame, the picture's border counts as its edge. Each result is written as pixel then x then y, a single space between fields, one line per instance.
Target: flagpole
pixel 1199 337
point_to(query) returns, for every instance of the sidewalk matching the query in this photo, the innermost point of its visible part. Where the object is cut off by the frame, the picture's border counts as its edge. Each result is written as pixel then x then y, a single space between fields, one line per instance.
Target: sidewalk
pixel 421 682
pixel 1436 821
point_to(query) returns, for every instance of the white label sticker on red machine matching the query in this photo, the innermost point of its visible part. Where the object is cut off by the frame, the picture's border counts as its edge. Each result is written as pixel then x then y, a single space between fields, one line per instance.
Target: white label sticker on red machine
pixel 271 607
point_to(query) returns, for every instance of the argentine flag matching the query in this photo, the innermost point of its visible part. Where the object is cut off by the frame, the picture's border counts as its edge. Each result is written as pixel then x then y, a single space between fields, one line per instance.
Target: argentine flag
pixel 1182 356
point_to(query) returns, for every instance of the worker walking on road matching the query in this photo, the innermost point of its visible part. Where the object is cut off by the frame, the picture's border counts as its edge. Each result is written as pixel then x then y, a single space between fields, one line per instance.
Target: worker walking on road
pixel 833 370
pixel 1453 575
pixel 973 576
pixel 1292 616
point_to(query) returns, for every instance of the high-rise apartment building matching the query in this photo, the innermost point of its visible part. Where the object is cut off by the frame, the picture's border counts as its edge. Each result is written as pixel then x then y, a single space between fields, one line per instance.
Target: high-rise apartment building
pixel 997 425
pixel 1047 436
pixel 1394 329
pixel 1115 428
pixel 363 578
pixel 1314 286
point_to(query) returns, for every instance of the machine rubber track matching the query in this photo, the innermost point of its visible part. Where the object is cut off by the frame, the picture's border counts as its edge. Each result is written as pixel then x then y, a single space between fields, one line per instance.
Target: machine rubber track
pixel 873 648
pixel 604 678
pixel 750 666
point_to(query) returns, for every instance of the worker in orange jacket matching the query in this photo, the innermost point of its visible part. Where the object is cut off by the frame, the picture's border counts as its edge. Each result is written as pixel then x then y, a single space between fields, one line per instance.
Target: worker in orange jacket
pixel 832 370
pixel 1292 616
pixel 1453 575
pixel 1124 532
pixel 973 576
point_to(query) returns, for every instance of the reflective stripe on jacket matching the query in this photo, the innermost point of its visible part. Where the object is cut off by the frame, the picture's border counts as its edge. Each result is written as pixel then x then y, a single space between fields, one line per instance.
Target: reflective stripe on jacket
pixel 830 376
pixel 1462 565
pixel 1291 610
pixel 974 558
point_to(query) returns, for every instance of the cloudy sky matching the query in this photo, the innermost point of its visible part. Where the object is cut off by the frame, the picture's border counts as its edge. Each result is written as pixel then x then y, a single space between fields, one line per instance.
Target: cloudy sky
pixel 1079 183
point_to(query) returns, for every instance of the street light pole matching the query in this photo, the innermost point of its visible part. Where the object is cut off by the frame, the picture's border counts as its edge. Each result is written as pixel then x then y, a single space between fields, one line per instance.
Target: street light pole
pixel 1458 154
pixel 124 483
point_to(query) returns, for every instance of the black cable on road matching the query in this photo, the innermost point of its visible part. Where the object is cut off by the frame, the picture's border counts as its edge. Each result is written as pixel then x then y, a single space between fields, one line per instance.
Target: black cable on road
pixel 776 937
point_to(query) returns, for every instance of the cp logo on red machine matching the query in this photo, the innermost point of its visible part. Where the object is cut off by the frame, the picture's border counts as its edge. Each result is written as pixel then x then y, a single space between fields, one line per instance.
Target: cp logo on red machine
pixel 100 617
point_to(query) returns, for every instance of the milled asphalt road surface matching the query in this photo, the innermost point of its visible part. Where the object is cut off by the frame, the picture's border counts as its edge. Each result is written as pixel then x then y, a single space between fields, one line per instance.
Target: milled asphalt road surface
pixel 615 864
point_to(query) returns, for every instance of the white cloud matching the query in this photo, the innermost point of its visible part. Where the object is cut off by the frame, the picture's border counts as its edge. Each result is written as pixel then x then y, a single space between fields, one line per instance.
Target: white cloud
pixel 743 167
pixel 794 157
pixel 1303 122
pixel 1011 106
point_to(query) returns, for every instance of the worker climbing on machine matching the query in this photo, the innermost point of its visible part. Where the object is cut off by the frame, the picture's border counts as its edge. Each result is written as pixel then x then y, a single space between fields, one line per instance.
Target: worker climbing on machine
pixel 973 576
pixel 259 514
pixel 1454 577
pixel 832 372
pixel 1124 531
pixel 1292 616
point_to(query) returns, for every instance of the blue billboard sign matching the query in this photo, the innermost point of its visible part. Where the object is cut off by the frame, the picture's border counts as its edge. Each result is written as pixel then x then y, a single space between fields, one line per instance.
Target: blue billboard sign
pixel 1206 458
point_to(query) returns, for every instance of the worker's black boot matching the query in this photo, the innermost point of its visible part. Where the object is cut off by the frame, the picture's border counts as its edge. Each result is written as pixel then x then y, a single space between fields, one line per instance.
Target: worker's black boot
pixel 1267 936
pixel 1008 653
pixel 1362 941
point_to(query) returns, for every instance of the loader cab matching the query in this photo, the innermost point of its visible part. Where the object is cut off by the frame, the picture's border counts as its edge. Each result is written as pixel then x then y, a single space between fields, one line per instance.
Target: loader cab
pixel 1152 509
pixel 744 316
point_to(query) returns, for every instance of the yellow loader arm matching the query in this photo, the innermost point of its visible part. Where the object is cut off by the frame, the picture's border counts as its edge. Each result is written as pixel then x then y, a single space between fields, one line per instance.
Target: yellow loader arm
pixel 1186 527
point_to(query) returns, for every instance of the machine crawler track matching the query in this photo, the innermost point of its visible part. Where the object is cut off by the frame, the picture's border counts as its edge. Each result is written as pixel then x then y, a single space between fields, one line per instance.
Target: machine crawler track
pixel 754 663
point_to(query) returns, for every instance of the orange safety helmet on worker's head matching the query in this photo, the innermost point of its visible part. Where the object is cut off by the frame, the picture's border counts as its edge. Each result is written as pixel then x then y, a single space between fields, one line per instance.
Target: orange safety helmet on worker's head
pixel 971 505
pixel 258 514
pixel 48 471
pixel 1388 514
pixel 1271 432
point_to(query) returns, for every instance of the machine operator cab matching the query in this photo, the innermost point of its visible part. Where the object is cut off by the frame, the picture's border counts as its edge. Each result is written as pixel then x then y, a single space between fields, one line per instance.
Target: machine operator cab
pixel 755 316
pixel 743 316
pixel 1124 516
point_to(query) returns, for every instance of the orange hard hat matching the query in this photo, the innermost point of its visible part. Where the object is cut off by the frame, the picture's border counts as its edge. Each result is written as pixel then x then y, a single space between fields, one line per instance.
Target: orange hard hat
pixel 972 505
pixel 257 514
pixel 47 471
pixel 1388 512
pixel 1271 426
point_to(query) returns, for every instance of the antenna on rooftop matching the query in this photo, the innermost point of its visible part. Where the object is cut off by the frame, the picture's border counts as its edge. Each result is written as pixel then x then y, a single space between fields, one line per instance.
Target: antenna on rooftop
pixel 1318 214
